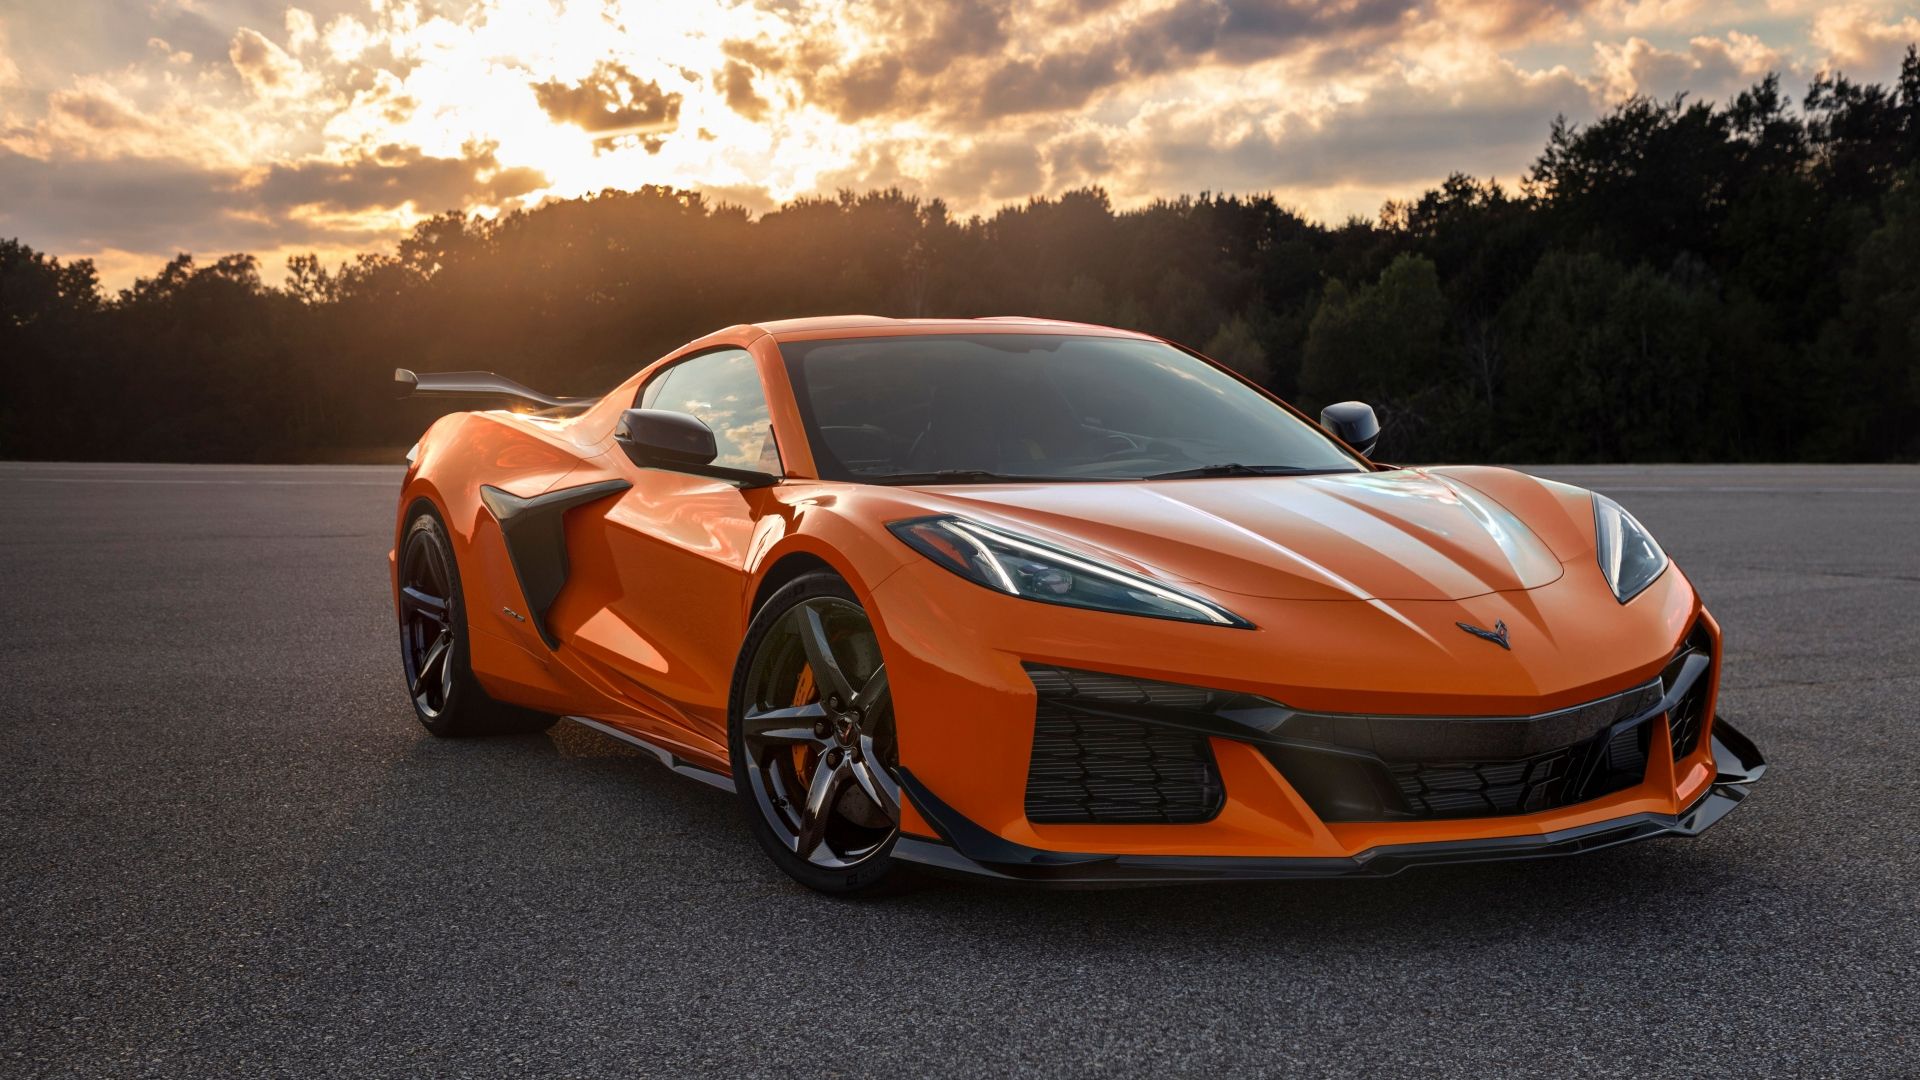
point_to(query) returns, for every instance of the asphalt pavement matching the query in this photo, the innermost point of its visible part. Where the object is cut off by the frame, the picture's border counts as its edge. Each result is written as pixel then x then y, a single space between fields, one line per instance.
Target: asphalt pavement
pixel 227 849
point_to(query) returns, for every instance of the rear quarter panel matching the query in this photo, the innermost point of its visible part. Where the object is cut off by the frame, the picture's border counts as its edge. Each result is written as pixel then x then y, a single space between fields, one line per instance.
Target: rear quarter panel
pixel 522 455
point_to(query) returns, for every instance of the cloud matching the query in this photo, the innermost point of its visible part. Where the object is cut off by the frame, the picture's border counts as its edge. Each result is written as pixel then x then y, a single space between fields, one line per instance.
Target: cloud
pixel 1859 40
pixel 347 38
pixel 1404 132
pixel 1709 69
pixel 955 60
pixel 75 206
pixel 736 82
pixel 302 31
pixel 263 66
pixel 1329 156
pixel 260 124
pixel 974 64
pixel 393 176
pixel 9 71
pixel 1504 22
pixel 1647 14
pixel 613 102
pixel 159 205
pixel 999 169
pixel 93 120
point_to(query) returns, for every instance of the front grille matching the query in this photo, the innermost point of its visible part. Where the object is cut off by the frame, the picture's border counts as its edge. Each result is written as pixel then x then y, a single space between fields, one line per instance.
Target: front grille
pixel 1351 767
pixel 1094 764
pixel 1483 789
pixel 1585 770
pixel 1108 748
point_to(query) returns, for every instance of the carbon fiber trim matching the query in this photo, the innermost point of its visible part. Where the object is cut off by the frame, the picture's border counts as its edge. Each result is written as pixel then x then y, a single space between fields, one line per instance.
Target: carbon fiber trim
pixel 536 538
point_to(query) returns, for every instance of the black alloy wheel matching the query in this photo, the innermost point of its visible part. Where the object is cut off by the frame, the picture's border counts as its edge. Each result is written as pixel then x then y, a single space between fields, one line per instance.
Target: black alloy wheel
pixel 813 737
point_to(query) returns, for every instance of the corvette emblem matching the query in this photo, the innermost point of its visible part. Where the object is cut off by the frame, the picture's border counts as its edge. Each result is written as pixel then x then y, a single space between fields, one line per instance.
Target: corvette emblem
pixel 1497 635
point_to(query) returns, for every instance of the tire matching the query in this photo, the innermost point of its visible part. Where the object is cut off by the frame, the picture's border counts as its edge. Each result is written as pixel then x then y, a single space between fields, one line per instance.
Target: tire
pixel 811 734
pixel 435 661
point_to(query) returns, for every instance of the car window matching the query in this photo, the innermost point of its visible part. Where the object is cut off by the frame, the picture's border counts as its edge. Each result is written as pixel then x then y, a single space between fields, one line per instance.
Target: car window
pixel 723 390
pixel 1058 406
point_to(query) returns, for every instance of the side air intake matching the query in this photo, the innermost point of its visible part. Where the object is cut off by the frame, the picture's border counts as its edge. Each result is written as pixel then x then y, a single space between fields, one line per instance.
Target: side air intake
pixel 535 531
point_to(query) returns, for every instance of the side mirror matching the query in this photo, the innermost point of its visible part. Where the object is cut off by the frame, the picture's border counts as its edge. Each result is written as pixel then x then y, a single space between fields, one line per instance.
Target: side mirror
pixel 1353 423
pixel 660 439
pixel 666 439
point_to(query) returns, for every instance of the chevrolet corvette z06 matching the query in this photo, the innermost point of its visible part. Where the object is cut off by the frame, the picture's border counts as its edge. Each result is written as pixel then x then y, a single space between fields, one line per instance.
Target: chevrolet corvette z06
pixel 1053 603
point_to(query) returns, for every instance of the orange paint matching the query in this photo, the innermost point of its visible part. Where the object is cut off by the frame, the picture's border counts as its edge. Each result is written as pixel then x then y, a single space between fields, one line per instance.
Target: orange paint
pixel 1354 610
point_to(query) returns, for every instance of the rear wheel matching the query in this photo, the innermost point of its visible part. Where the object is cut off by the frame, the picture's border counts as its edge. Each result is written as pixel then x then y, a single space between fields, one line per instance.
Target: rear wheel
pixel 812 737
pixel 434 656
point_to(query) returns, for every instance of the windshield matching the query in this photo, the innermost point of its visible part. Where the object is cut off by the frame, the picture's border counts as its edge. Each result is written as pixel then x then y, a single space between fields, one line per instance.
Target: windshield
pixel 1055 407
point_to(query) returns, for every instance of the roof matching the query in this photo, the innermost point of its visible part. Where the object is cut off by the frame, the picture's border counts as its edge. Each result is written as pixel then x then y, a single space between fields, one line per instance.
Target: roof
pixel 995 323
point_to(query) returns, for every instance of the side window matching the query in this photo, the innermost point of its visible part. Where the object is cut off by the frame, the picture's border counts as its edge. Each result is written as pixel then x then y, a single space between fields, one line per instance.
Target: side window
pixel 650 393
pixel 722 389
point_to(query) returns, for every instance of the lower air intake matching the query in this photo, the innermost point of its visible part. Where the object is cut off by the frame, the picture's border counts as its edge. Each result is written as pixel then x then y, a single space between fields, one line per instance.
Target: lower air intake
pixel 1688 717
pixel 1093 764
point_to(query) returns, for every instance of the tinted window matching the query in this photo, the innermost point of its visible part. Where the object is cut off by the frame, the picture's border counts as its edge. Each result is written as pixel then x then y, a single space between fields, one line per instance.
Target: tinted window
pixel 723 390
pixel 1037 405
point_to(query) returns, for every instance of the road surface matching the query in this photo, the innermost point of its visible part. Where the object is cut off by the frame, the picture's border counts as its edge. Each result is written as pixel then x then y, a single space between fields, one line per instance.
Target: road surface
pixel 227 849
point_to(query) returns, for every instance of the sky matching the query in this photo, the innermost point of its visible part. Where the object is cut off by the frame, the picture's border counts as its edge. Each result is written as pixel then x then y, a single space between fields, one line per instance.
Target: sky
pixel 134 130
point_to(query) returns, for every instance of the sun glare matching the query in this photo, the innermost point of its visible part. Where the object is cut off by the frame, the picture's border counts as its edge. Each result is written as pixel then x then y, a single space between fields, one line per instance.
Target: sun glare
pixel 477 84
pixel 345 122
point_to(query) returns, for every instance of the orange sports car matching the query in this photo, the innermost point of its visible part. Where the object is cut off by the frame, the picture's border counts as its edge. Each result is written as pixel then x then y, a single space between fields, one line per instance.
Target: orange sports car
pixel 1054 603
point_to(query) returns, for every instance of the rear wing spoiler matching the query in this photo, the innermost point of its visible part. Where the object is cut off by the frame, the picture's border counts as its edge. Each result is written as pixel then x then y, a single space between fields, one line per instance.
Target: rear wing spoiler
pixel 479 384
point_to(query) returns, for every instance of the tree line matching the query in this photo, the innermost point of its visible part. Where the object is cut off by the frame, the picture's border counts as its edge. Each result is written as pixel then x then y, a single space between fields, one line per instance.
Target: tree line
pixel 1675 281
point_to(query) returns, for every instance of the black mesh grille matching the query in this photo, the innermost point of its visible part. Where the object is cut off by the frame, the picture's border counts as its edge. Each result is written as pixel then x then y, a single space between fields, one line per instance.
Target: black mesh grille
pixel 1480 789
pixel 1526 786
pixel 1107 748
pixel 1380 768
pixel 1090 765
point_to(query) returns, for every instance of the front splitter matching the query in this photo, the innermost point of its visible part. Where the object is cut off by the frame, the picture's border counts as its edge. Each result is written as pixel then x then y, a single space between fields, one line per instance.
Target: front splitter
pixel 967 848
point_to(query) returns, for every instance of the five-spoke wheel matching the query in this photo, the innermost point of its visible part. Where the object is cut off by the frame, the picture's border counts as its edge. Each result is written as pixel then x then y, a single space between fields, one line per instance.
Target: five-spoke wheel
pixel 813 736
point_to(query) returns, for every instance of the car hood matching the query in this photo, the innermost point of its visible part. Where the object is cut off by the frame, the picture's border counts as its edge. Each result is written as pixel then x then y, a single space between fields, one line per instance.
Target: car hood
pixel 1402 535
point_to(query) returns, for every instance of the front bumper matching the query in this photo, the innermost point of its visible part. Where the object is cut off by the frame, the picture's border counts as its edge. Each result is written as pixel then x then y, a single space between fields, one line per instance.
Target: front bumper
pixel 967 848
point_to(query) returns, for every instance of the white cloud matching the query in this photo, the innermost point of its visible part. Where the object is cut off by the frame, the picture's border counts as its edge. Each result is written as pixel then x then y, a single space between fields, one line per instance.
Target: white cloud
pixel 1709 69
pixel 347 37
pixel 265 67
pixel 1862 40
pixel 301 29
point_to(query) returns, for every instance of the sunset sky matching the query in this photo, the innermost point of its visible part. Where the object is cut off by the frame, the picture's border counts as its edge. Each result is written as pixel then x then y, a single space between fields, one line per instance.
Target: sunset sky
pixel 132 130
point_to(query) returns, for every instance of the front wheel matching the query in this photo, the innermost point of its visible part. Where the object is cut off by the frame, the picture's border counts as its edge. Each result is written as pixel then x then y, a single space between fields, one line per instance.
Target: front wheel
pixel 811 732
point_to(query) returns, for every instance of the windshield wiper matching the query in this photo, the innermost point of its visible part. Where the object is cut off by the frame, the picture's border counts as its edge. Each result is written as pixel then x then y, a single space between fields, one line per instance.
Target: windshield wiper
pixel 969 476
pixel 1234 468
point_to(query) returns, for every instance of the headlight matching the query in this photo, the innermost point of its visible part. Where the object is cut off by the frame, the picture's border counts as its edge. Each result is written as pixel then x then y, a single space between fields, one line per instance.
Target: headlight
pixel 1628 555
pixel 1020 566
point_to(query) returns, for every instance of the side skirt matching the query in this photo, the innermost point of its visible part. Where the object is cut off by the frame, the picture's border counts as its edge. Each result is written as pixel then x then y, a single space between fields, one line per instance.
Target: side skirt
pixel 667 757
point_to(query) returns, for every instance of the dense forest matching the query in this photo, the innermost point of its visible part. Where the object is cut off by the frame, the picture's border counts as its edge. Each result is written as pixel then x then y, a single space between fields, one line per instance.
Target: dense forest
pixel 1674 281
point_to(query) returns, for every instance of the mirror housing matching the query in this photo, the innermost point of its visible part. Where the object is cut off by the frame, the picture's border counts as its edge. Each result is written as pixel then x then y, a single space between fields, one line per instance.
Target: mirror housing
pixel 1353 423
pixel 663 439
